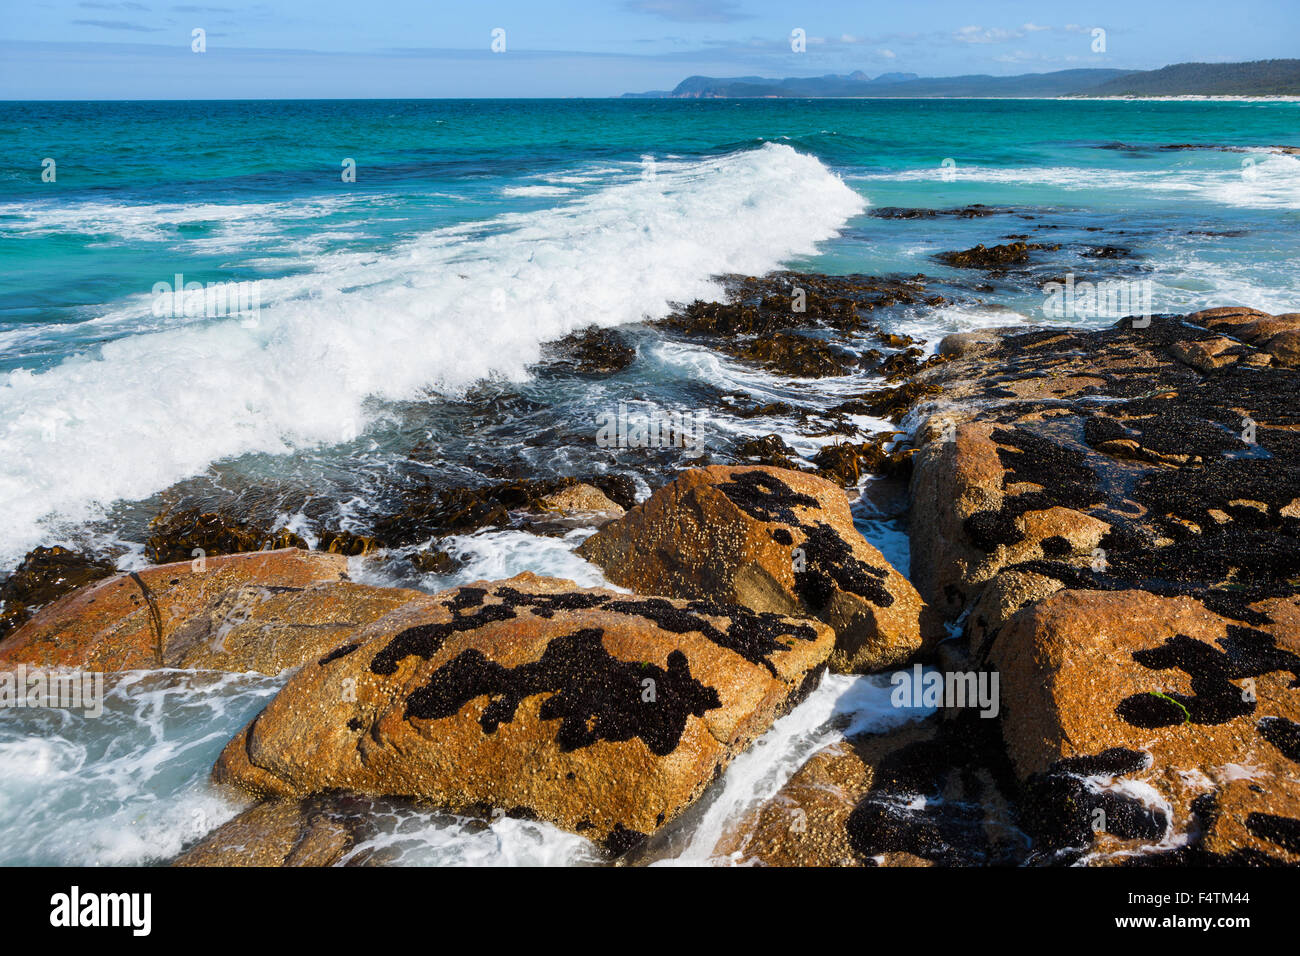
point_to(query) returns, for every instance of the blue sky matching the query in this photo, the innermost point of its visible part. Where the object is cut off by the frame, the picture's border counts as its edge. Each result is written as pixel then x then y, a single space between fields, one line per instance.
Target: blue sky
pixel 141 49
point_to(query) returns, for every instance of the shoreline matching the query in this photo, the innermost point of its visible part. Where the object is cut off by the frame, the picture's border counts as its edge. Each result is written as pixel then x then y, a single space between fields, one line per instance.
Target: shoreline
pixel 1190 97
pixel 1035 548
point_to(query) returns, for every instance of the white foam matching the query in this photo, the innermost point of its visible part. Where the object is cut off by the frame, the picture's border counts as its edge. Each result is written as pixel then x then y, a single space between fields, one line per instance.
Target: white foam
pixel 412 837
pixel 530 191
pixel 492 556
pixel 1272 182
pixel 130 786
pixel 841 706
pixel 438 312
pixel 933 326
pixel 157 222
pixel 1191 279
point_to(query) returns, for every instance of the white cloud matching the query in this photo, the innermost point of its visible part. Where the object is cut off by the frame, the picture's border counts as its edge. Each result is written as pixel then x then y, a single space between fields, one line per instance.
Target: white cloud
pixel 982 35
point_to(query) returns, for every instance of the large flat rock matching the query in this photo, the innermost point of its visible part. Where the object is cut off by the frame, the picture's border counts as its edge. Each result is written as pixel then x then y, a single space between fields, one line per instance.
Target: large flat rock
pixel 773 540
pixel 260 611
pixel 604 713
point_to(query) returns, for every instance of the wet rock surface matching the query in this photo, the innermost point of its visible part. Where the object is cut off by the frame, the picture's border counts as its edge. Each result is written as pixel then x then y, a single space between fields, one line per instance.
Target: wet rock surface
pixel 263 611
pixel 1115 515
pixel 1128 715
pixel 44 575
pixel 604 713
pixel 316 831
pixel 802 325
pixel 1152 473
pixel 592 351
pixel 993 257
pixel 771 540
pixel 973 211
pixel 933 793
pixel 433 512
pixel 182 535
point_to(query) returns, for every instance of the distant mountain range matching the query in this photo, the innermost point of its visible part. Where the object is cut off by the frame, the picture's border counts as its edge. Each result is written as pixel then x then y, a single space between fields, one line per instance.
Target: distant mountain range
pixel 1258 78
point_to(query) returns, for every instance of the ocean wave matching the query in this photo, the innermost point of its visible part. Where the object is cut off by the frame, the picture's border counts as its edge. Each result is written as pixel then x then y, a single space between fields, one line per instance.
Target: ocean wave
pixel 158 222
pixel 529 192
pixel 1259 181
pixel 439 312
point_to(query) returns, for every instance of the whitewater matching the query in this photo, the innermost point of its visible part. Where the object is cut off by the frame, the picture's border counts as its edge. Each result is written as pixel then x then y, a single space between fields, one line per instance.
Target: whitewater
pixel 402 319
pixel 145 410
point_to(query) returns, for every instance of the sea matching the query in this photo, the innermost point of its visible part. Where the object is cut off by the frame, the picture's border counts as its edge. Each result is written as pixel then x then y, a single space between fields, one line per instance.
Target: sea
pixel 299 311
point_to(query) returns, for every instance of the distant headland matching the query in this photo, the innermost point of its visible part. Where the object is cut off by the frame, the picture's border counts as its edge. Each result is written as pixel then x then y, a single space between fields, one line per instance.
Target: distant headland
pixel 1257 78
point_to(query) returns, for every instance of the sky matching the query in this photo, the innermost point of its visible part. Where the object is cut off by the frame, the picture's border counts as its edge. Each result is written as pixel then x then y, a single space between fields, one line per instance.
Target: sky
pixel 145 49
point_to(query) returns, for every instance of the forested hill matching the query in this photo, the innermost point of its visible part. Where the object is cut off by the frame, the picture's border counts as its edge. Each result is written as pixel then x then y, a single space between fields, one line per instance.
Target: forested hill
pixel 1258 78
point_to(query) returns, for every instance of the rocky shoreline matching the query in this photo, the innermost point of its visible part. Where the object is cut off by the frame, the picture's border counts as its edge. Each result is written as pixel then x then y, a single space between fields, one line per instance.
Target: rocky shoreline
pixel 1107 521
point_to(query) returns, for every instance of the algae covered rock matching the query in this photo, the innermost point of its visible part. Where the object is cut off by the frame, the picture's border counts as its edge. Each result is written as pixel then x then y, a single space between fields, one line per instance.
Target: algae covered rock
pixel 1133 717
pixel 771 540
pixel 44 575
pixel 604 713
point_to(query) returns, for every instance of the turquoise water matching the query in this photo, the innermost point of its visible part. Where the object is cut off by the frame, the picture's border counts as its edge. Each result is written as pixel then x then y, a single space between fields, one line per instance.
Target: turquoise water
pixel 141 187
pixel 475 230
pixel 399 319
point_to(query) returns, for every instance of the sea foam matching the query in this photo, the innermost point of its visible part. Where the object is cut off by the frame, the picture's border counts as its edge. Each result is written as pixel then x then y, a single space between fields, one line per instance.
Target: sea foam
pixel 436 313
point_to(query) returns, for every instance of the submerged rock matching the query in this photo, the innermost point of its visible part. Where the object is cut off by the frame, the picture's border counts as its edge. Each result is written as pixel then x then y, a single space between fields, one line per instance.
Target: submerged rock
pixel 893 402
pixel 44 575
pixel 767 318
pixel 248 612
pixel 430 561
pixel 771 540
pixel 993 257
pixel 768 450
pixel 604 713
pixel 179 536
pixel 840 462
pixel 591 351
pixel 973 211
pixel 1107 252
pixel 847 462
pixel 433 512
pixel 799 356
pixel 347 543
